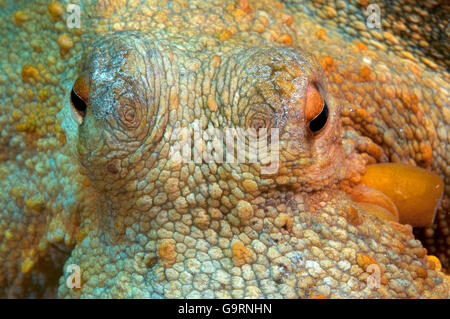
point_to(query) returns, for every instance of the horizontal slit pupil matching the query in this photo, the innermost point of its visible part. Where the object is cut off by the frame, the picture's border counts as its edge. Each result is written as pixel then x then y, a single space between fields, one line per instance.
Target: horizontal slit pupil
pixel 320 120
pixel 77 102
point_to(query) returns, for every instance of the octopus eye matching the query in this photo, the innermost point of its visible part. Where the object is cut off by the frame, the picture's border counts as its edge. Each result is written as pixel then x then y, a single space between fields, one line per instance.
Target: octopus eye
pixel 79 97
pixel 320 120
pixel 316 110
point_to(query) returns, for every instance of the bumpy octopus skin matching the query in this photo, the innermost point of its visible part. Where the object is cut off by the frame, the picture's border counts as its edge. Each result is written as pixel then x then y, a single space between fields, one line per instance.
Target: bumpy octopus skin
pixel 107 194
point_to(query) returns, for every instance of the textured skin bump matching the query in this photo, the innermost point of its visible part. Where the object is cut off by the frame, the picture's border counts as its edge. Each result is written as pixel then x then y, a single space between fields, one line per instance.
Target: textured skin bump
pixel 108 195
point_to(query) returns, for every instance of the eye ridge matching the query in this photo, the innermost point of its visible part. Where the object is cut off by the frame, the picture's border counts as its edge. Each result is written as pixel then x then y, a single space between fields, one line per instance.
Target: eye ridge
pixel 320 120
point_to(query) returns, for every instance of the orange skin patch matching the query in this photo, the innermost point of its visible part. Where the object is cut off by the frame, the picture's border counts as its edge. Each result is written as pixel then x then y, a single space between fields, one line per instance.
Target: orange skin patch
pixel 434 263
pixel 287 19
pixel 224 35
pixel 20 17
pixel 241 254
pixel 245 6
pixel 285 39
pixel 327 63
pixel 166 251
pixel 316 295
pixel 364 72
pixel 353 216
pixel 65 43
pixel 55 9
pixel 361 46
pixel 321 34
pixel 365 261
pixel 29 72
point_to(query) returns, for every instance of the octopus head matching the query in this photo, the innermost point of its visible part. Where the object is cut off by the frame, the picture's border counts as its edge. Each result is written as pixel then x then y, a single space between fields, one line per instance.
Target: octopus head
pixel 131 84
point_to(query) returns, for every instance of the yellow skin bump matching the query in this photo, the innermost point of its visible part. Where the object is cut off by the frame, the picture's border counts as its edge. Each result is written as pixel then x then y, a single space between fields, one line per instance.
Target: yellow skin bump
pixel 106 195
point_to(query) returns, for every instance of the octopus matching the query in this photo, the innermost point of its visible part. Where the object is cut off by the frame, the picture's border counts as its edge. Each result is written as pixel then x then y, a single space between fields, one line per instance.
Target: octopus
pixel 101 196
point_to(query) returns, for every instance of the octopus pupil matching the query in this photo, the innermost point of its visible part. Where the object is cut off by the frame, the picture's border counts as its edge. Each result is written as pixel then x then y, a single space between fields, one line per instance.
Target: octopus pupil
pixel 320 120
pixel 77 102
